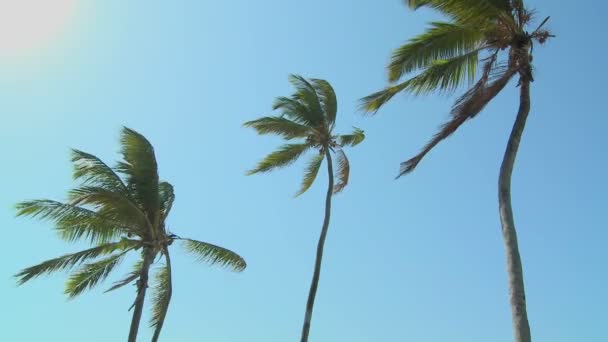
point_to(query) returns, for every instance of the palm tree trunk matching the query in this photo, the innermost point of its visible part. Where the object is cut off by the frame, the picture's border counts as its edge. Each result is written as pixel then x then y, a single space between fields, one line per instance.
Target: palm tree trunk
pixel 315 278
pixel 517 294
pixel 142 285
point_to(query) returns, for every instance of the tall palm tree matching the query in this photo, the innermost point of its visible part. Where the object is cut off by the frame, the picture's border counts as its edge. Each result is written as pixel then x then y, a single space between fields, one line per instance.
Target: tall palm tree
pixel 309 116
pixel 487 43
pixel 119 210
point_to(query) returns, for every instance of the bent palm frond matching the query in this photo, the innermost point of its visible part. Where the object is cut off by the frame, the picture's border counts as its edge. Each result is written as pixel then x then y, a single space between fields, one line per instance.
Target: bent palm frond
pixel 327 99
pixel 370 104
pixel 73 222
pixel 443 75
pixel 140 167
pixel 310 174
pixel 471 11
pixel 91 274
pixel 166 196
pixel 279 126
pixel 93 171
pixel 109 204
pixel 293 109
pixel 284 156
pixel 215 255
pixel 352 139
pixel 446 75
pixel 467 107
pixel 307 95
pixel 68 261
pixel 342 172
pixel 161 297
pixel 442 41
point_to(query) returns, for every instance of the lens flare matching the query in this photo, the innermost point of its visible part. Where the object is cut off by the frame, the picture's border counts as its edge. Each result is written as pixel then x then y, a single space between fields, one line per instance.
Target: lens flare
pixel 28 25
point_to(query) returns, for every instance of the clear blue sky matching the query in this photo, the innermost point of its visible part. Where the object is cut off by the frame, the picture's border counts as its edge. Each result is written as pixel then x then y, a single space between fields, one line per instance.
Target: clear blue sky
pixel 418 259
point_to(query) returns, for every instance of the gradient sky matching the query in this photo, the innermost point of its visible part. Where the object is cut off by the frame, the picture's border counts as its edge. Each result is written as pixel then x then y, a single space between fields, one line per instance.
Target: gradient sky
pixel 417 259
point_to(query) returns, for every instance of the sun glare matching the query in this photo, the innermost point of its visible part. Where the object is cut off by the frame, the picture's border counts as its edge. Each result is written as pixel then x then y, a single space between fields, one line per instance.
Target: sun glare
pixel 28 25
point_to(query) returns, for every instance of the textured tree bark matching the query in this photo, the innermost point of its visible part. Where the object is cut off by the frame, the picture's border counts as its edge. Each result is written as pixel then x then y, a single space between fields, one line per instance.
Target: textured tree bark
pixel 159 327
pixel 517 294
pixel 142 285
pixel 315 278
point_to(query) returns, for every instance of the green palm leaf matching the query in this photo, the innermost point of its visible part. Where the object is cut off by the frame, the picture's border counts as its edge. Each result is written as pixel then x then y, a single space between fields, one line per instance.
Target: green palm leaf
pixel 310 173
pixel 280 126
pixel 373 102
pixel 343 171
pixel 141 170
pixel 161 297
pixel 446 74
pixel 440 42
pixel 442 75
pixel 91 170
pixel 306 94
pixel 352 139
pixel 111 204
pixel 68 261
pixel 471 11
pixel 284 156
pixel 215 255
pixel 167 196
pixel 293 109
pixel 73 222
pixel 327 98
pixel 91 274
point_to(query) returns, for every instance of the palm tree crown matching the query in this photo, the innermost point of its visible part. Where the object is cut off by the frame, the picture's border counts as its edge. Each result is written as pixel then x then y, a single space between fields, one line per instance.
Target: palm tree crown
pixel 310 116
pixel 119 210
pixel 484 44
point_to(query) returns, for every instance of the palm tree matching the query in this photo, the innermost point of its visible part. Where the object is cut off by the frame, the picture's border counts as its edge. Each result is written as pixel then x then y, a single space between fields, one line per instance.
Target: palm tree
pixel 309 115
pixel 482 37
pixel 119 210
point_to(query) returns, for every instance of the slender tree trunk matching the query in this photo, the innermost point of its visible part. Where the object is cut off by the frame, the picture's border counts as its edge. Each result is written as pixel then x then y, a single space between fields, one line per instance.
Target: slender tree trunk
pixel 517 294
pixel 142 285
pixel 159 327
pixel 315 278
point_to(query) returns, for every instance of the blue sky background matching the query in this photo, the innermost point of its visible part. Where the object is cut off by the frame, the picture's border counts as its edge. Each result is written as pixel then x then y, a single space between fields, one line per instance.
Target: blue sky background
pixel 418 259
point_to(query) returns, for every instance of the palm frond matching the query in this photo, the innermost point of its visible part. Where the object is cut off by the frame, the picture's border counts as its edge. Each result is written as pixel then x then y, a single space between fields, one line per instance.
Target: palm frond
pixel 68 261
pixel 167 196
pixel 310 174
pixel 443 75
pixel 109 204
pixel 161 297
pixel 293 109
pixel 446 74
pixel 215 255
pixel 471 11
pixel 327 97
pixel 342 171
pixel 352 139
pixel 441 41
pixel 284 156
pixel 306 94
pixel 373 102
pixel 468 106
pixel 280 126
pixel 141 170
pixel 93 171
pixel 73 222
pixel 91 274
pixel 129 278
